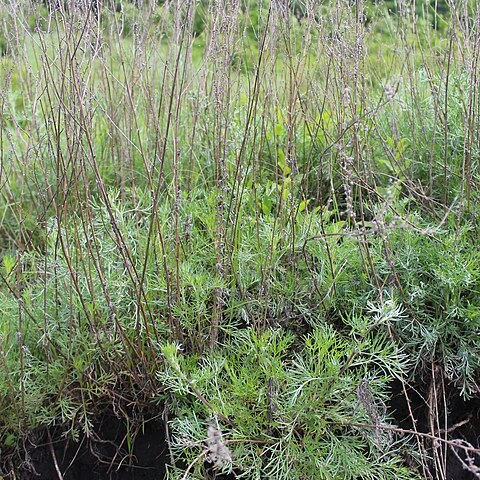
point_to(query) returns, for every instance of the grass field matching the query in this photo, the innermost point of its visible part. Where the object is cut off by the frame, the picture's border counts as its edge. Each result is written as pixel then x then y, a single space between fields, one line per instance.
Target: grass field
pixel 252 222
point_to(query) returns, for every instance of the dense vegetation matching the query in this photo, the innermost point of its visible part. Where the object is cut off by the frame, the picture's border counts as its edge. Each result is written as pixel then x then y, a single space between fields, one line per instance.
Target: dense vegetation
pixel 256 221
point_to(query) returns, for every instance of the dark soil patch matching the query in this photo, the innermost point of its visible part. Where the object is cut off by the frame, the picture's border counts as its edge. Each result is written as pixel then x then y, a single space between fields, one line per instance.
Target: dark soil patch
pixel 462 420
pixel 116 451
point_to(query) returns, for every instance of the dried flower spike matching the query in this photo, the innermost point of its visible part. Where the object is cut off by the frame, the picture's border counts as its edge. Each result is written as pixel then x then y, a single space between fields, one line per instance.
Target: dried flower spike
pixel 218 452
